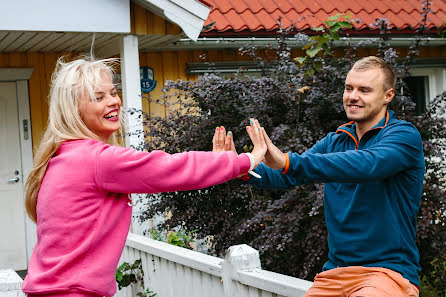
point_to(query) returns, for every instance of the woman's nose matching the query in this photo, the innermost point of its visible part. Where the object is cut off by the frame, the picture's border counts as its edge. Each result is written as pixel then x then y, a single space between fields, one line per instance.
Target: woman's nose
pixel 114 100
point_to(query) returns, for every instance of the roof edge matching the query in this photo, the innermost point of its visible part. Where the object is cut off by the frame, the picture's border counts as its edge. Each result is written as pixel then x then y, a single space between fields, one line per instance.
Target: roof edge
pixel 190 15
pixel 235 43
pixel 309 31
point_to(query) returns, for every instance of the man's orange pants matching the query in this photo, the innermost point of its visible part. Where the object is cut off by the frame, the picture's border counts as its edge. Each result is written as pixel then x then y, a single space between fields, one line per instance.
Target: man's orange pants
pixel 358 281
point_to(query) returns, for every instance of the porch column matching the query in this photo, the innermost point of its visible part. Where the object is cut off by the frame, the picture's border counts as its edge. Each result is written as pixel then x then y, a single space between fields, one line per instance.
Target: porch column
pixel 131 91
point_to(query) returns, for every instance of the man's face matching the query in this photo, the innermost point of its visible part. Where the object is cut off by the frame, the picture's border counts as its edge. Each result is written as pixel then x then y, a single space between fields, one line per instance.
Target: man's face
pixel 365 98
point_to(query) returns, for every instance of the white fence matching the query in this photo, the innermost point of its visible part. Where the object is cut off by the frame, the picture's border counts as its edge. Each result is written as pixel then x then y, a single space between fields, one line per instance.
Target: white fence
pixel 171 271
pixel 10 284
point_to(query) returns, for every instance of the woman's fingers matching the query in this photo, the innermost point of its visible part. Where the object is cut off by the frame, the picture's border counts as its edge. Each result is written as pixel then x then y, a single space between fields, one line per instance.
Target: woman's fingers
pixel 256 132
pixel 227 144
pixel 222 141
pixel 221 137
pixel 250 130
pixel 218 142
pixel 232 144
pixel 214 140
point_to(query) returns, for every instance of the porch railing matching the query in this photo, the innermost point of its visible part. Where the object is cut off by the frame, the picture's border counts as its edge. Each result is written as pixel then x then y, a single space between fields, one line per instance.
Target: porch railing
pixel 10 284
pixel 171 271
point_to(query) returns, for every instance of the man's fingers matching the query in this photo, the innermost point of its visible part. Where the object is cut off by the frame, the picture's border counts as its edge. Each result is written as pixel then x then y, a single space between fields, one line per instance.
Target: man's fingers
pixel 262 135
pixel 267 140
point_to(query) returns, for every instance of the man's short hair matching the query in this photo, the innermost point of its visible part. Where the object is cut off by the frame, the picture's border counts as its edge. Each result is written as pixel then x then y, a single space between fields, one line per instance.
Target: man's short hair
pixel 374 62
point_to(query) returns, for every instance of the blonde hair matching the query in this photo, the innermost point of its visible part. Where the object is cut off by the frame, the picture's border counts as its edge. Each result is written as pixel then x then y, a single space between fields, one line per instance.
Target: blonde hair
pixel 371 62
pixel 69 81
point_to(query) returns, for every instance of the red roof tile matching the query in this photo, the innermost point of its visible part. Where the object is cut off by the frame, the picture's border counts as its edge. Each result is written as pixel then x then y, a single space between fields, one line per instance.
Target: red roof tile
pixel 254 16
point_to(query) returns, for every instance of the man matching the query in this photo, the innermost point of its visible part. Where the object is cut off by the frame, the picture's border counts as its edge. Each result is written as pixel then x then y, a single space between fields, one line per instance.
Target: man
pixel 373 169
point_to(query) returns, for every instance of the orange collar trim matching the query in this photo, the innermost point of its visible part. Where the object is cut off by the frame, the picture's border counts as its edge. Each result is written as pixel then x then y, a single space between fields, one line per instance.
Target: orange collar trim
pixel 353 122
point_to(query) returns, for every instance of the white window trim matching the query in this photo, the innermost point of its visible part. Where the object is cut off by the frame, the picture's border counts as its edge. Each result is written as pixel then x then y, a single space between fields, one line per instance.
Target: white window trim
pixel 437 80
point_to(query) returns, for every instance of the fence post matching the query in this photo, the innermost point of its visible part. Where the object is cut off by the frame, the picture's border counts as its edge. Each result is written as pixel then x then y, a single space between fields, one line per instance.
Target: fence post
pixel 238 257
pixel 10 284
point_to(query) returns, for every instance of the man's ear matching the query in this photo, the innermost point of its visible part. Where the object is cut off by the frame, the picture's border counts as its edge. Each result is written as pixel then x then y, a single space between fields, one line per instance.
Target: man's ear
pixel 389 94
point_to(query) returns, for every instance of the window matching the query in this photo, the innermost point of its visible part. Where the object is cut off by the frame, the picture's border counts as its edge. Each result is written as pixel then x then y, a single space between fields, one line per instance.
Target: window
pixel 426 82
pixel 418 89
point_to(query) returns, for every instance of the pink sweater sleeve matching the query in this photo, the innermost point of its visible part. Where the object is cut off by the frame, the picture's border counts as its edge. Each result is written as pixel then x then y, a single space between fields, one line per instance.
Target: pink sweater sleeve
pixel 125 170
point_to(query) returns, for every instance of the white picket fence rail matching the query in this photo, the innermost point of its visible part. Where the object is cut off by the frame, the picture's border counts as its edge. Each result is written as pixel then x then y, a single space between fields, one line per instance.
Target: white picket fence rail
pixel 10 284
pixel 171 271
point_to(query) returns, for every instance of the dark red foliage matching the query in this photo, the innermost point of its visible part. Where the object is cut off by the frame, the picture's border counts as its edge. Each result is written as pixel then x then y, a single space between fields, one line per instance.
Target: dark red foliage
pixel 287 227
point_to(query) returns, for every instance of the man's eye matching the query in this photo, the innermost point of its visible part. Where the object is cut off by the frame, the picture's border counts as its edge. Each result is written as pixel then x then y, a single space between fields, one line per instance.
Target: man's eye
pixel 114 94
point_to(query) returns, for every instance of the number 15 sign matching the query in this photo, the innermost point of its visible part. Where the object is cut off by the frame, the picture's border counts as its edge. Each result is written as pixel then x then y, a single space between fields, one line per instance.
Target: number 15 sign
pixel 147 81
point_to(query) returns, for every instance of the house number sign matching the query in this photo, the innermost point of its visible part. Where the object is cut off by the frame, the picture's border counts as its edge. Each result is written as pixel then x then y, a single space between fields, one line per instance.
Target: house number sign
pixel 147 81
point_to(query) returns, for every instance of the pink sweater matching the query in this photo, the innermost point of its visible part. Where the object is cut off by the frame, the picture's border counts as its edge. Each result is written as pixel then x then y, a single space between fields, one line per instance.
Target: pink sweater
pixel 83 212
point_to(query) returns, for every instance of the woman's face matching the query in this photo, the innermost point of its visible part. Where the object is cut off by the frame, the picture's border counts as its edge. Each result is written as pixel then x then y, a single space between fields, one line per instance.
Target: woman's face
pixel 102 115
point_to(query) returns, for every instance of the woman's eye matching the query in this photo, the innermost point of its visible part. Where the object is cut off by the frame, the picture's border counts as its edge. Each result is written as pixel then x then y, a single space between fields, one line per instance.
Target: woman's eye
pixel 99 98
pixel 114 94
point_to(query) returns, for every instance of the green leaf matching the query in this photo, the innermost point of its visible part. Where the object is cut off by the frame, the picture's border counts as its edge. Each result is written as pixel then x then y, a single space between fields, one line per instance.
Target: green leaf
pixel 323 39
pixel 335 36
pixel 124 266
pixel 345 24
pixel 136 264
pixel 312 52
pixel 318 29
pixel 334 17
pixel 329 23
pixel 318 65
pixel 310 72
pixel 307 46
pixel 118 276
pixel 327 49
pixel 335 28
pixel 300 60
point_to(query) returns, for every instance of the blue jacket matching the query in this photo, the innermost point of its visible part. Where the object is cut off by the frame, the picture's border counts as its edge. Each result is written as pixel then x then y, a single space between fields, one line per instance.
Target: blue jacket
pixel 372 193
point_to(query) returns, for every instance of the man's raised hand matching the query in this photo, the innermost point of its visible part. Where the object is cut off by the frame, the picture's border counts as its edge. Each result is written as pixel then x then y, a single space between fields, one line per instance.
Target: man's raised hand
pixel 274 158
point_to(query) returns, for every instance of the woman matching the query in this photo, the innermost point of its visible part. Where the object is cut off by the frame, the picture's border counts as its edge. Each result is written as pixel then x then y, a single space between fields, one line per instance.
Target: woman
pixel 77 192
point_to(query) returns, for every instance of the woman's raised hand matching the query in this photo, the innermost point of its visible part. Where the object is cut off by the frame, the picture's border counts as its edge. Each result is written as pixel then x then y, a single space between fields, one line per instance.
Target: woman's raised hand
pixel 255 132
pixel 222 142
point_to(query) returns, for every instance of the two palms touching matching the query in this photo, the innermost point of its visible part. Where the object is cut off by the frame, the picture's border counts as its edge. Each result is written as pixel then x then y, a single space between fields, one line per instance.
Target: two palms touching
pixel 264 150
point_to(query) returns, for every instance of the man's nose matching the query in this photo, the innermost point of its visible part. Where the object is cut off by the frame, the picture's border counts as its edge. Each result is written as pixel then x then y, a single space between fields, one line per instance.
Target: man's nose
pixel 353 95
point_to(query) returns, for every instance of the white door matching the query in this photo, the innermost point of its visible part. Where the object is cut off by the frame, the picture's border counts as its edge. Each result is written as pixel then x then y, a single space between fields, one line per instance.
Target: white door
pixel 12 216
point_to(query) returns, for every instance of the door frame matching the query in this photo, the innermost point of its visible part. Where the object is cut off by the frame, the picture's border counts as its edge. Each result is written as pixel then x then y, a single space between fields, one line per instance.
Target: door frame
pixel 21 77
